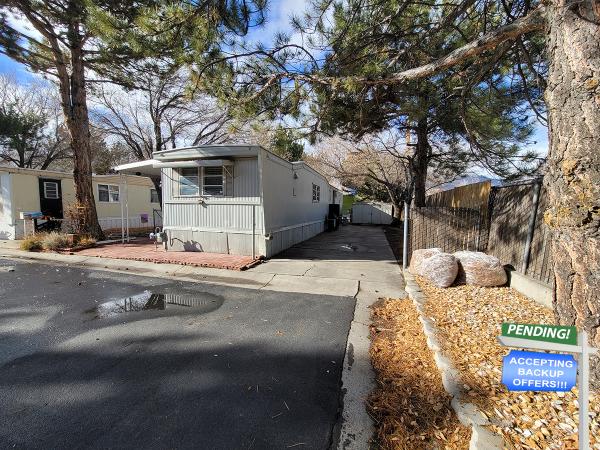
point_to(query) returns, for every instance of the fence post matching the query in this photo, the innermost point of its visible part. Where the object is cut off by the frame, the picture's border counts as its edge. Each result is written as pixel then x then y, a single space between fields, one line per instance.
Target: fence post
pixel 530 230
pixel 405 237
pixel 253 232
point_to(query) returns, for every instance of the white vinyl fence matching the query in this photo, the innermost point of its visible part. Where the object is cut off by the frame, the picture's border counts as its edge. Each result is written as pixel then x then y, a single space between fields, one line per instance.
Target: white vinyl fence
pixel 374 213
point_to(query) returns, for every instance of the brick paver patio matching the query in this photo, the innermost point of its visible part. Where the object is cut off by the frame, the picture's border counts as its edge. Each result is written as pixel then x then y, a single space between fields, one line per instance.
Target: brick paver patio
pixel 145 251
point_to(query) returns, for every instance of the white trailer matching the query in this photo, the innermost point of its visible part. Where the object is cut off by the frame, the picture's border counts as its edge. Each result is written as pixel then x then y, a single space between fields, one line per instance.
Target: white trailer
pixel 237 199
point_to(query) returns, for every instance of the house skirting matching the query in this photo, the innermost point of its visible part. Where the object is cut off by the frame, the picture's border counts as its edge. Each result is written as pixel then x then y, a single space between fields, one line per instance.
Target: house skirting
pixel 241 242
pixel 286 237
pixel 228 242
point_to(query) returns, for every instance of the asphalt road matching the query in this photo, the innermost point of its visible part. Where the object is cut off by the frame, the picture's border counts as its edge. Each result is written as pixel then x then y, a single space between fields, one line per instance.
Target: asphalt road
pixel 206 367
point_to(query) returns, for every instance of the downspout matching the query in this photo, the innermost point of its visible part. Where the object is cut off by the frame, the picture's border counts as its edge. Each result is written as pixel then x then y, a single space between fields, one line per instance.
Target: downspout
pixel 121 186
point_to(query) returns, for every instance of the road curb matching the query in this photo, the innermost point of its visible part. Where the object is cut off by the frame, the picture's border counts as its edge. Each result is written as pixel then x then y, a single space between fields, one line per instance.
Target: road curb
pixel 356 428
pixel 482 438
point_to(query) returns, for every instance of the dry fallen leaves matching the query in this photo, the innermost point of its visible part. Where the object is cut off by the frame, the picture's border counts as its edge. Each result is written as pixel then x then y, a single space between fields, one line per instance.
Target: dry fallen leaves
pixel 468 319
pixel 410 406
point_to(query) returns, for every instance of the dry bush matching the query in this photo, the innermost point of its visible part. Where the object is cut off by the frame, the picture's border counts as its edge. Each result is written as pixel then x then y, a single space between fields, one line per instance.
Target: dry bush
pixel 55 241
pixel 32 243
pixel 85 242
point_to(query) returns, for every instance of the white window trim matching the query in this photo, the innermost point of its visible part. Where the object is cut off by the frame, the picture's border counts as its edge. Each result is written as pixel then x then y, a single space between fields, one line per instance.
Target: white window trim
pixel 46 190
pixel 108 186
pixel 318 192
pixel 201 175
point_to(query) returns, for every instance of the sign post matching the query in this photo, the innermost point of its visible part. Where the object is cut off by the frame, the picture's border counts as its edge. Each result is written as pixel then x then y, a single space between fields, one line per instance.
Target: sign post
pixel 536 371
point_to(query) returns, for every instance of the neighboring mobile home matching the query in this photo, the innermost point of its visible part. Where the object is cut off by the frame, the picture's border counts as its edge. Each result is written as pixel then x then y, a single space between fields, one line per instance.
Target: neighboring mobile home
pixel 53 192
pixel 238 199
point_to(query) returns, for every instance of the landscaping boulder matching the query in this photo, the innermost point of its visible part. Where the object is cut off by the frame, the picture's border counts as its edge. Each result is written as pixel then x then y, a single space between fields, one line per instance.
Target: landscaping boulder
pixel 418 256
pixel 440 268
pixel 479 269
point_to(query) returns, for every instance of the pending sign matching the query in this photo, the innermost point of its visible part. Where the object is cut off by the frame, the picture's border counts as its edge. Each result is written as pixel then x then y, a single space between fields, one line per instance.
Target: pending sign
pixel 535 332
pixel 535 371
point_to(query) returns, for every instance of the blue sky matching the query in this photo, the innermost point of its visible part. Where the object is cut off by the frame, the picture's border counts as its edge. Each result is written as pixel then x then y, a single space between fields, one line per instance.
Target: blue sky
pixel 277 19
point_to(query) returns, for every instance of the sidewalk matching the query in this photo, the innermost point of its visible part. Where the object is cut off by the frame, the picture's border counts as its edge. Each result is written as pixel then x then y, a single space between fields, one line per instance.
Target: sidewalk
pixel 354 261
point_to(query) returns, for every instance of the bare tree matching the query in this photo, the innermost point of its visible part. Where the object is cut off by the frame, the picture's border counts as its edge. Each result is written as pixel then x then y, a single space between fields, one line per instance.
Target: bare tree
pixel 386 160
pixel 32 131
pixel 161 112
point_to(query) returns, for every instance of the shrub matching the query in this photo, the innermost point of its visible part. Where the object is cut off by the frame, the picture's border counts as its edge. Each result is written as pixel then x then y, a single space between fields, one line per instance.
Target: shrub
pixel 86 242
pixel 55 241
pixel 32 243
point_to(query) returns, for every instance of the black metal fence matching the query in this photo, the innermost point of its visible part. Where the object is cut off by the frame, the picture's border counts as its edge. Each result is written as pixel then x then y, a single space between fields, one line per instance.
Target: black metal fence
pixel 508 224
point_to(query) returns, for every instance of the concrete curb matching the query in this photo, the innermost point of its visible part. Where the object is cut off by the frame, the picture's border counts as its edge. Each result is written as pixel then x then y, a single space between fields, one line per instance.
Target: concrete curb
pixel 468 414
pixel 356 428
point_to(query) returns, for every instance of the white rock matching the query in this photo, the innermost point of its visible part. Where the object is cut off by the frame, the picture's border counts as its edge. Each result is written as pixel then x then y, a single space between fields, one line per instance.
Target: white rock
pixel 418 256
pixel 440 268
pixel 480 269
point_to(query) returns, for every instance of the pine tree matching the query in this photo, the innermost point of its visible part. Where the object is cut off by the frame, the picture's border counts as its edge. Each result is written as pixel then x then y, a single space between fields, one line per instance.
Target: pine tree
pixel 79 42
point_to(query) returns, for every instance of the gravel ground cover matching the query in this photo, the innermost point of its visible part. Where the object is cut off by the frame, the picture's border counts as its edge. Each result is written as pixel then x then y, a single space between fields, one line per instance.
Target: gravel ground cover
pixel 468 319
pixel 410 407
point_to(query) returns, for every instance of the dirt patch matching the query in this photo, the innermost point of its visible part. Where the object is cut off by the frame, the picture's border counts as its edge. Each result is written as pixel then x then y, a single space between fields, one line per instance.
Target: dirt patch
pixel 410 406
pixel 468 320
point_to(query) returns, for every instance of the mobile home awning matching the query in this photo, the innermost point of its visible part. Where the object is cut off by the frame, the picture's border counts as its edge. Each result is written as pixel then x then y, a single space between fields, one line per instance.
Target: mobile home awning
pixel 143 168
pixel 151 167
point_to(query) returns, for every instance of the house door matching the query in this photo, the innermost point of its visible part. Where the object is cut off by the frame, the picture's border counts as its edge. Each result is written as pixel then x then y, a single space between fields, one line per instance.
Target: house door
pixel 51 198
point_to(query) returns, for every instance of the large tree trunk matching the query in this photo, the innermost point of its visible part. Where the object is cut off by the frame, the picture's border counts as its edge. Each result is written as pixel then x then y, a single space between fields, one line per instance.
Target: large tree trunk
pixel 573 177
pixel 74 105
pixel 420 163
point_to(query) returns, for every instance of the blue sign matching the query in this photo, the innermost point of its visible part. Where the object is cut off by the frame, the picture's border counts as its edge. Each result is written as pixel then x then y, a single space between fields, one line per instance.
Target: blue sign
pixel 535 371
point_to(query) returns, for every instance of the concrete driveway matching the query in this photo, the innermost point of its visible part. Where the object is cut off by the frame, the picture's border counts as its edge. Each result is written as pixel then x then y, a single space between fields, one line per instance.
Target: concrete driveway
pixel 357 256
pixel 219 368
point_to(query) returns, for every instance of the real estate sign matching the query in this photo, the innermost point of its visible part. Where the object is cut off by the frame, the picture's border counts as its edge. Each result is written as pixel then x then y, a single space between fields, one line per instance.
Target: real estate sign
pixel 537 332
pixel 535 371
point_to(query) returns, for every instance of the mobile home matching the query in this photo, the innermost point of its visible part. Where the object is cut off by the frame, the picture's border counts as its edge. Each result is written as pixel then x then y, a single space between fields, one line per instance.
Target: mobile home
pixel 53 192
pixel 238 199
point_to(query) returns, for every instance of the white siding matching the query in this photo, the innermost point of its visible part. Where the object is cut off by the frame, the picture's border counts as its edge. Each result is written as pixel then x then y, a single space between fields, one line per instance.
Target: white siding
pixel 211 216
pixel 216 213
pixel 7 223
pixel 288 200
pixel 216 224
pixel 291 216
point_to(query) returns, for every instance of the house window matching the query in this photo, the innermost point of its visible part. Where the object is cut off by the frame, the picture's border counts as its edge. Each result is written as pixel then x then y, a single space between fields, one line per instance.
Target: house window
pixel 316 193
pixel 189 182
pixel 212 181
pixel 154 196
pixel 209 181
pixel 51 189
pixel 108 193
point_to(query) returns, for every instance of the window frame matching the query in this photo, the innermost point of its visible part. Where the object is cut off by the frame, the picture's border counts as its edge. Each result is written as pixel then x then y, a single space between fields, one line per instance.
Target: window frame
pixel 179 184
pixel 204 185
pixel 46 183
pixel 157 197
pixel 316 193
pixel 201 175
pixel 109 191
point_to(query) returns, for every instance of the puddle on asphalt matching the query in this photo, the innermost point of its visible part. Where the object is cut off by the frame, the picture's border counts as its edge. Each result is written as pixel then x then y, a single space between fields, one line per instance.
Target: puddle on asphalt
pixel 198 303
